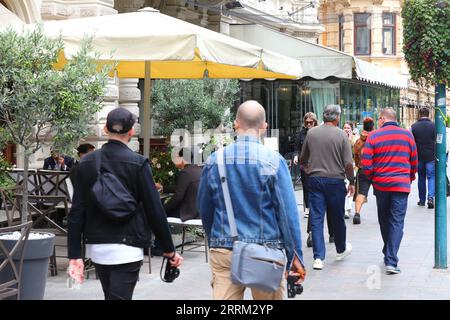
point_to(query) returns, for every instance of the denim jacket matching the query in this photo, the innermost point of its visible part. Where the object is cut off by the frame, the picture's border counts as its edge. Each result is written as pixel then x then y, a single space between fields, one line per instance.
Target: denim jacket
pixel 262 196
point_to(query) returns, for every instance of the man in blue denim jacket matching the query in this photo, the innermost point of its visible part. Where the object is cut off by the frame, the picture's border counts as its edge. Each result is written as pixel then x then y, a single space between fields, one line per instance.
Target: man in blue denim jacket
pixel 263 200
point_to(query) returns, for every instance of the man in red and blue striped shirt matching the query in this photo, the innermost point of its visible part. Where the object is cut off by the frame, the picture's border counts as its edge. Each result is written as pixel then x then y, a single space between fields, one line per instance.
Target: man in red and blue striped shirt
pixel 389 160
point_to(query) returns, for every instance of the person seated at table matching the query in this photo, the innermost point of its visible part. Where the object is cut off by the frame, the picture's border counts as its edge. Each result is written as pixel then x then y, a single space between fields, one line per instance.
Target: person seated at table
pixel 183 204
pixel 58 162
pixel 82 150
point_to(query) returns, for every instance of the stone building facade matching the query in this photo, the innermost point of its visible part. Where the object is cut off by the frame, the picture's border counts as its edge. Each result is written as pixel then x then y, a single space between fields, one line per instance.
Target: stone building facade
pixel 119 92
pixel 372 30
pixel 298 18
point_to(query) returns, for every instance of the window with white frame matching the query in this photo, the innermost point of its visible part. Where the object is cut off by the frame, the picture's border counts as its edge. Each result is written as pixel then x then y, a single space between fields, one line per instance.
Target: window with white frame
pixel 362 33
pixel 341 32
pixel 389 33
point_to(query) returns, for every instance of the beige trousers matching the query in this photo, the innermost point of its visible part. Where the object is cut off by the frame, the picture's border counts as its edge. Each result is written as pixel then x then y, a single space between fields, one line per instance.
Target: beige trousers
pixel 224 289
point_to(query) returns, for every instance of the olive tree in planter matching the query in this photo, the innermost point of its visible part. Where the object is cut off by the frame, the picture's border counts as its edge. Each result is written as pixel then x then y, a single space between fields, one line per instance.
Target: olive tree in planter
pixel 178 104
pixel 38 103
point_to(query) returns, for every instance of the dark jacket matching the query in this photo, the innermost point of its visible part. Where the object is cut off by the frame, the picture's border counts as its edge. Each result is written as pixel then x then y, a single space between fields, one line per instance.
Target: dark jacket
pixel 185 197
pixel 300 140
pixel 85 219
pixel 424 132
pixel 51 164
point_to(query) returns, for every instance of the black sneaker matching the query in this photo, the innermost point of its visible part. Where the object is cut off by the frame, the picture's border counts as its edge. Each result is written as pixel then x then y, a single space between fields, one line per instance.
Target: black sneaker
pixel 430 203
pixel 309 240
pixel 331 239
pixel 422 204
pixel 356 219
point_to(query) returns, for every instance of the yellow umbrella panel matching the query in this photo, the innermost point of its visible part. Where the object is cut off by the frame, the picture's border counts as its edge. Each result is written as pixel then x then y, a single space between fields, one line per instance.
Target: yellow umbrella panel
pixel 151 45
pixel 195 69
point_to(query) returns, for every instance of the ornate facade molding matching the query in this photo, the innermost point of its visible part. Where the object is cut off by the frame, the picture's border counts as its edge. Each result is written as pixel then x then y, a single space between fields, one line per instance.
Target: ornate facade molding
pixel 27 10
pixel 63 9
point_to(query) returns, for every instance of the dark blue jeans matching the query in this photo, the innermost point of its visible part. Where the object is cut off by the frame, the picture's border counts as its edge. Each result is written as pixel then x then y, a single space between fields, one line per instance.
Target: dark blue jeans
pixel 327 194
pixel 391 216
pixel 426 172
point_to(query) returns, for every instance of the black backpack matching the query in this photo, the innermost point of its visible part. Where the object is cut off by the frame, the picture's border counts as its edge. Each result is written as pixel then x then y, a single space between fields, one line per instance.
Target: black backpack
pixel 111 196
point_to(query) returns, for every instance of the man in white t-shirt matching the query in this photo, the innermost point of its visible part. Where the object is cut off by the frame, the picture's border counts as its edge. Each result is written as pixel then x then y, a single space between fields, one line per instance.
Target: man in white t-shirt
pixel 116 247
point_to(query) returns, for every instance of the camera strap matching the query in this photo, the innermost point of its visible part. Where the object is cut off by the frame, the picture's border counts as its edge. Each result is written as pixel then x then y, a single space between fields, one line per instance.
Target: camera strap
pixel 163 265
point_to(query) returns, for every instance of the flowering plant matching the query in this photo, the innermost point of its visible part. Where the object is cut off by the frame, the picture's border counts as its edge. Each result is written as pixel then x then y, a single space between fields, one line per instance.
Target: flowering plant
pixel 216 142
pixel 163 169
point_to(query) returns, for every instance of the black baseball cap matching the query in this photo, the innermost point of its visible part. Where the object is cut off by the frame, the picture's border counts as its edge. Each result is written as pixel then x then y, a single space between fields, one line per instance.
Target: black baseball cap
pixel 120 121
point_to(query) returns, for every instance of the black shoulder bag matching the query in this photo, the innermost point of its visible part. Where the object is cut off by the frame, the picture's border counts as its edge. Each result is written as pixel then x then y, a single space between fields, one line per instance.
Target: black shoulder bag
pixel 110 195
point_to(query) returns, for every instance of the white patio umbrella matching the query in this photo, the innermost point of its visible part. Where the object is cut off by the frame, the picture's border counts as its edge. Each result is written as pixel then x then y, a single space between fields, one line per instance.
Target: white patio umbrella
pixel 151 45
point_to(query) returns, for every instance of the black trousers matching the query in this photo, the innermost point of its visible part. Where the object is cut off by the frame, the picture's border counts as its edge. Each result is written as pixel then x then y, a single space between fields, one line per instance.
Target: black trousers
pixel 118 281
pixel 304 179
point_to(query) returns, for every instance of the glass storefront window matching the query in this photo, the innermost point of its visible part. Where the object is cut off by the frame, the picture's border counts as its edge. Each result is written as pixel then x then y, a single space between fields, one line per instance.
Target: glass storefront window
pixel 286 102
pixel 360 100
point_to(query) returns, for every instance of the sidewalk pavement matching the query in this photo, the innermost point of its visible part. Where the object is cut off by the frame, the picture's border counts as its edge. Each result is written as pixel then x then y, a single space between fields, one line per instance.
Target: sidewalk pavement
pixel 359 276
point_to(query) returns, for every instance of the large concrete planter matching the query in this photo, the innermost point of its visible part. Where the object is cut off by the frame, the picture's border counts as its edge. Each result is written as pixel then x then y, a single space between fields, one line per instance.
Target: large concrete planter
pixel 35 266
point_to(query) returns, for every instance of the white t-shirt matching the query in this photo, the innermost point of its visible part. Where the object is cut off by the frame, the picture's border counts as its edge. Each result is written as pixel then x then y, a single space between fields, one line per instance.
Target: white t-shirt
pixel 113 253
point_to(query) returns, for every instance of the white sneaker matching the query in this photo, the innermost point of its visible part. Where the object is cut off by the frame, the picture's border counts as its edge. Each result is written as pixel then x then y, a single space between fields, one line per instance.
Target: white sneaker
pixel 348 250
pixel 318 264
pixel 306 215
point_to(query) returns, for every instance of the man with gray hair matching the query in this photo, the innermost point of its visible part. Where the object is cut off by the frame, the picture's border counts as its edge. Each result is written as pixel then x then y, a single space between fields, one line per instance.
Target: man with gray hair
pixel 327 157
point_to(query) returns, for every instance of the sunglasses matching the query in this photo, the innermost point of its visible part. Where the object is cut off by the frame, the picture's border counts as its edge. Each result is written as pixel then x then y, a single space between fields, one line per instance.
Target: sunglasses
pixel 309 122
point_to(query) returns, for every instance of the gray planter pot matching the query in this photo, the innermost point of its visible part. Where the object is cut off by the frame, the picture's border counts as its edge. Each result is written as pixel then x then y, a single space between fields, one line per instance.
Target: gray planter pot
pixel 35 266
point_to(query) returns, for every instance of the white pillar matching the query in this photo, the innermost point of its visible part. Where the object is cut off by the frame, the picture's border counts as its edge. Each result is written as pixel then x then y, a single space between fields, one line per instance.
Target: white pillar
pixel 129 97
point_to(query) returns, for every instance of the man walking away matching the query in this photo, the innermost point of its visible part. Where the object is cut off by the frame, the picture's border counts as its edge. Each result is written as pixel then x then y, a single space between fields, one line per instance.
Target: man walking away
pixel 116 247
pixel 389 160
pixel 327 156
pixel 424 132
pixel 362 183
pixel 263 201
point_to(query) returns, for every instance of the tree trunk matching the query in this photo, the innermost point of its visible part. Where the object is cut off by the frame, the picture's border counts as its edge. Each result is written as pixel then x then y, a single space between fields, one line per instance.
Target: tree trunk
pixel 24 213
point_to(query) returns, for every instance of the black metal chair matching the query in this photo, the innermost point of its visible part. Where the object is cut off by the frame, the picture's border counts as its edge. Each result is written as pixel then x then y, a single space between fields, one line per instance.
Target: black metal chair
pixel 12 286
pixel 9 207
pixel 293 168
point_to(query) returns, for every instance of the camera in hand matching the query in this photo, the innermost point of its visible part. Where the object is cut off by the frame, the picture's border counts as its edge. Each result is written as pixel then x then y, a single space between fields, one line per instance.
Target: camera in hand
pixel 171 272
pixel 292 288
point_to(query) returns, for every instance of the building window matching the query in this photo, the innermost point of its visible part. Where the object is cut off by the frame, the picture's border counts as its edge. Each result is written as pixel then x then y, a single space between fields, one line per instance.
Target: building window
pixel 362 33
pixel 341 32
pixel 389 33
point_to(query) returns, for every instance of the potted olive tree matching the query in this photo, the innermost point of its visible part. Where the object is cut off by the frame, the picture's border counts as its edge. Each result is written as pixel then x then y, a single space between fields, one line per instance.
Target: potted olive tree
pixel 39 103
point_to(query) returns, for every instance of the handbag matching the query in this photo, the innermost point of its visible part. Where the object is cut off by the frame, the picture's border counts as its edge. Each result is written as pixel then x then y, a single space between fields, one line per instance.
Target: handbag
pixel 111 196
pixel 253 265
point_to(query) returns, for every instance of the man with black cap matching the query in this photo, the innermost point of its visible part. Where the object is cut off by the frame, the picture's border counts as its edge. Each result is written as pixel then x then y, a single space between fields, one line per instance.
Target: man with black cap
pixel 82 150
pixel 116 248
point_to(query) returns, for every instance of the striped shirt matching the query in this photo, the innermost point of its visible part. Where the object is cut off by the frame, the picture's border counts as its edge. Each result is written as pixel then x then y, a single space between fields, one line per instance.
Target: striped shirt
pixel 389 158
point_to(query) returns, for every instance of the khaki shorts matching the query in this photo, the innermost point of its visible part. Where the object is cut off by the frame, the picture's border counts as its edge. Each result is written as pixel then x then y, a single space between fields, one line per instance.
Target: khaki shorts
pixel 224 289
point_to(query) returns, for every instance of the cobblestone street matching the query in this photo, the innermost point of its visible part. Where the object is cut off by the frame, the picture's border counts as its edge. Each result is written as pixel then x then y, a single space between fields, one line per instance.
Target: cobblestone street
pixel 359 276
